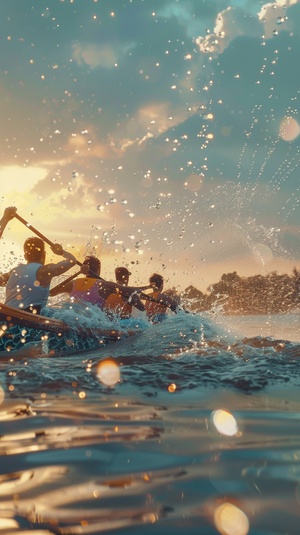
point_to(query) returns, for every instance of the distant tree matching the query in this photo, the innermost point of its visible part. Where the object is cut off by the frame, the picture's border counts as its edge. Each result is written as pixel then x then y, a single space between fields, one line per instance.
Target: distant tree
pixel 258 294
pixel 194 299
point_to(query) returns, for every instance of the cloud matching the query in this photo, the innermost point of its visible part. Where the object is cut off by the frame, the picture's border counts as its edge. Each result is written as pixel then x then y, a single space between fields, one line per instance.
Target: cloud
pixel 158 118
pixel 275 17
pixel 184 15
pixel 95 55
pixel 82 146
pixel 230 23
pixel 149 121
pixel 233 22
pixel 99 56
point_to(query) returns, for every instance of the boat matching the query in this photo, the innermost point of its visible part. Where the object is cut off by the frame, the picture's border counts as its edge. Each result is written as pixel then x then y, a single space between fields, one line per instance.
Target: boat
pixel 23 334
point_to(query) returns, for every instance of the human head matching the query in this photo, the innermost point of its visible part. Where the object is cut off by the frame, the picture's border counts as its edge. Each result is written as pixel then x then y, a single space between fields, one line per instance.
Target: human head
pixel 156 281
pixel 34 250
pixel 122 275
pixel 94 265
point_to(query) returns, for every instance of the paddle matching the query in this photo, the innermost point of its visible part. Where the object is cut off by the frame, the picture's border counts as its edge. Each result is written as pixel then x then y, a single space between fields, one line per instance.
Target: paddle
pixel 153 300
pixel 56 289
pixel 37 232
pixel 46 240
pixel 52 244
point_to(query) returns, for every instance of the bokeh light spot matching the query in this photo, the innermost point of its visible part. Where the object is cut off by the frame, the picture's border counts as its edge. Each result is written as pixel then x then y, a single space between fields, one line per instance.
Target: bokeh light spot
pixel 262 253
pixel 225 422
pixel 194 182
pixel 289 129
pixel 108 372
pixel 2 395
pixel 230 520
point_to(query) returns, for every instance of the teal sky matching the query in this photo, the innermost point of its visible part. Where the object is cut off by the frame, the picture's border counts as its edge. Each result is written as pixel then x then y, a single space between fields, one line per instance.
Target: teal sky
pixel 161 134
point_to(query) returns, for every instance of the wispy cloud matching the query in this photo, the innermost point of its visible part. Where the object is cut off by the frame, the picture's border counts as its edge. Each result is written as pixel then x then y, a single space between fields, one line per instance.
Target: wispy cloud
pixel 97 56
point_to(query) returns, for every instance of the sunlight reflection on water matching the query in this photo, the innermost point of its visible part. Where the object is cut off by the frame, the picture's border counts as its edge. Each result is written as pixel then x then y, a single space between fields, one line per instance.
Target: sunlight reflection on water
pixel 281 326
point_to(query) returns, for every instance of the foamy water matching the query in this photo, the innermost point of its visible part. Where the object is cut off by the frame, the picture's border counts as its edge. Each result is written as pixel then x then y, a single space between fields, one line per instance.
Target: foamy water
pixel 196 430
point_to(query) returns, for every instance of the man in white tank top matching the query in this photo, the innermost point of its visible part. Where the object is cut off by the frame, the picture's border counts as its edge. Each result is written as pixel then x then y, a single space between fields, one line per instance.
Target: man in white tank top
pixel 28 285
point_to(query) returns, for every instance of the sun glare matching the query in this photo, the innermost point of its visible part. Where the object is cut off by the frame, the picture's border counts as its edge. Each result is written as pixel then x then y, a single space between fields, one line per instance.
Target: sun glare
pixel 15 179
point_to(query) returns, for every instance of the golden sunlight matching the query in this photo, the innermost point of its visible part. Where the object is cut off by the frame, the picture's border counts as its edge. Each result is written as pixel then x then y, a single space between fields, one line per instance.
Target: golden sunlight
pixel 19 180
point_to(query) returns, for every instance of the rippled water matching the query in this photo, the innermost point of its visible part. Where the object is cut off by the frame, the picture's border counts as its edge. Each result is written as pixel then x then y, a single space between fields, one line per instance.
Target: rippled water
pixel 199 435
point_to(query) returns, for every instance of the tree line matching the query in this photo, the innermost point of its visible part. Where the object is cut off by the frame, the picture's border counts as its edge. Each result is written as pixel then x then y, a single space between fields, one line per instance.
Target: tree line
pixel 258 294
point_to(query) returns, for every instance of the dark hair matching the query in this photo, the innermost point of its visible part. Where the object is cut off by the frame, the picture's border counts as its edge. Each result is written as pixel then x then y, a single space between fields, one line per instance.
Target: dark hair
pixel 122 272
pixel 156 280
pixel 94 265
pixel 34 249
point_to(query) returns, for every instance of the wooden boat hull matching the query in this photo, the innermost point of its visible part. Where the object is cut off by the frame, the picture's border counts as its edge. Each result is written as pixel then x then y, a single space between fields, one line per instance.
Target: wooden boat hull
pixel 23 334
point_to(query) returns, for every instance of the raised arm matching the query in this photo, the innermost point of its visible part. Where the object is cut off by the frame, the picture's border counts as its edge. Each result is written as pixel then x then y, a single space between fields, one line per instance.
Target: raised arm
pixel 46 273
pixel 127 291
pixel 108 287
pixel 9 213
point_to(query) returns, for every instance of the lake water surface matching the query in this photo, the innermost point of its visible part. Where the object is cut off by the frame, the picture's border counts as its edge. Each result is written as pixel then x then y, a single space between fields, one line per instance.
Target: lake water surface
pixel 194 428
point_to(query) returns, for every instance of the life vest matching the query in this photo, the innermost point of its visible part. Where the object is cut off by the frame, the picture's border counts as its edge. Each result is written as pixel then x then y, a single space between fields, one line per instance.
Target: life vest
pixel 23 289
pixel 87 289
pixel 115 303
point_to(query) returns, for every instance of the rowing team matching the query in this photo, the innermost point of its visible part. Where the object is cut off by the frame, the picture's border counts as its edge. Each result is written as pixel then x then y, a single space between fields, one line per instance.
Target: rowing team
pixel 28 285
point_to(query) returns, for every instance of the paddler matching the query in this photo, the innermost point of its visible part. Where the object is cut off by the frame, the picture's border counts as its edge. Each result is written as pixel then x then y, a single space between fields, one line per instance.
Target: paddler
pixel 116 303
pixel 28 285
pixel 97 291
pixel 157 307
pixel 122 275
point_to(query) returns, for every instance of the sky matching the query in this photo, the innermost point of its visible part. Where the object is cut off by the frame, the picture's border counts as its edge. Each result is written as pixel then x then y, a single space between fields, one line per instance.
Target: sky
pixel 158 134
